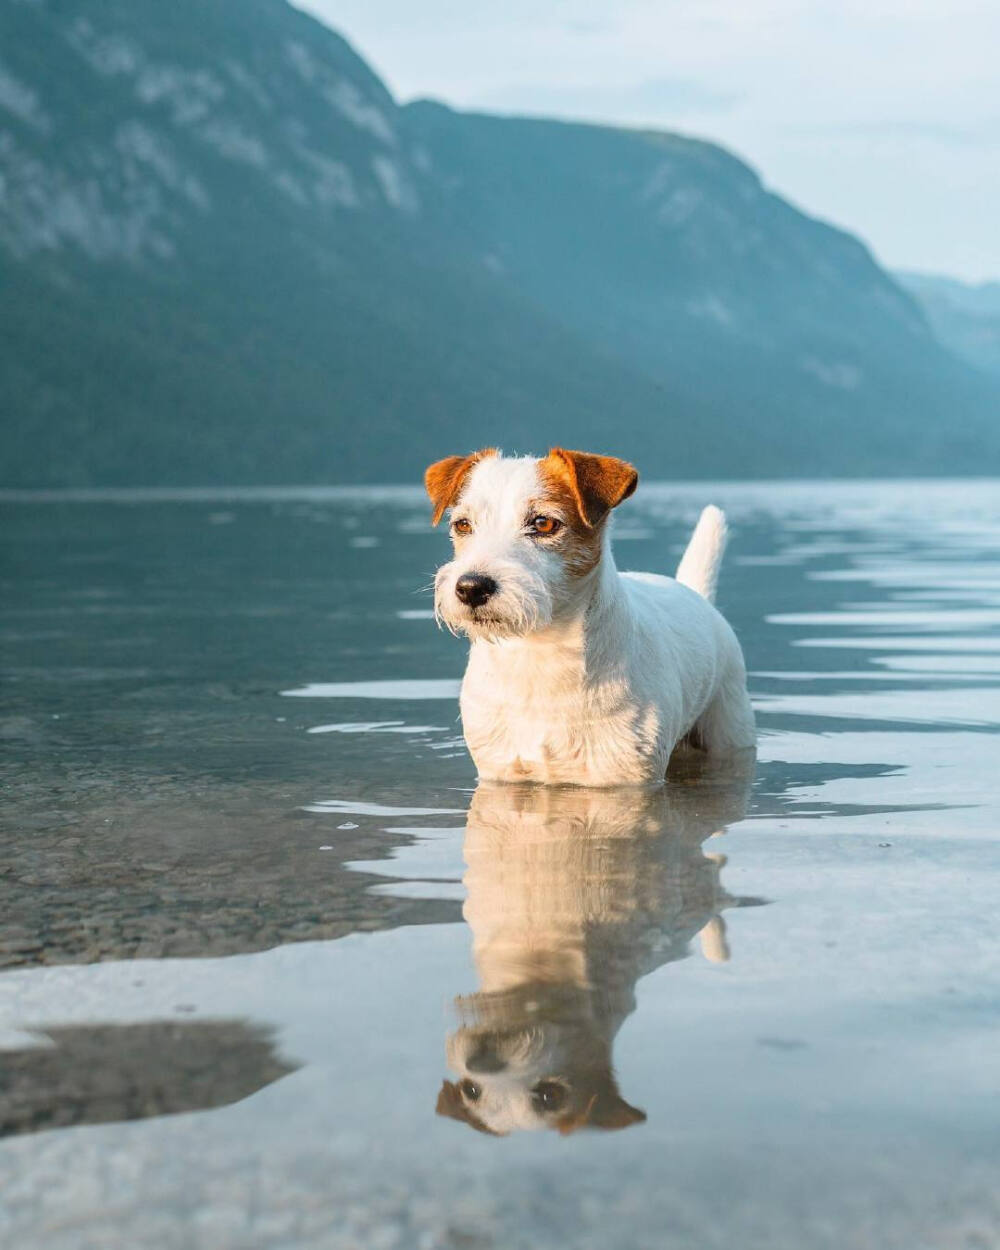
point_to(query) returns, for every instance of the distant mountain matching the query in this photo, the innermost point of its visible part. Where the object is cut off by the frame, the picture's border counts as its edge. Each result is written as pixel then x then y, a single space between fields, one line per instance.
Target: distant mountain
pixel 964 315
pixel 227 255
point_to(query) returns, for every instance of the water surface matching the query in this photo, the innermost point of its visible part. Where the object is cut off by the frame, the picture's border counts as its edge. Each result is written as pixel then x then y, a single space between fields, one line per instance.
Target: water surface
pixel 241 1006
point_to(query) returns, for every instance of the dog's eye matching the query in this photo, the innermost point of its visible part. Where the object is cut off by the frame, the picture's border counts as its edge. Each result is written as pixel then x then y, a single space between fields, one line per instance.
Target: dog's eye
pixel 461 526
pixel 544 525
pixel 470 1090
pixel 548 1096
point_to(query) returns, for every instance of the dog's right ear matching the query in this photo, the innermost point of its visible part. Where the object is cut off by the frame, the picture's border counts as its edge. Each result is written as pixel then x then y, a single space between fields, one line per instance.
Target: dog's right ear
pixel 445 478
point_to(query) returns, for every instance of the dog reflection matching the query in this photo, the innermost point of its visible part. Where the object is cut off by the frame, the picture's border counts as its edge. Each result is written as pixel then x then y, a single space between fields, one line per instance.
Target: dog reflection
pixel 572 896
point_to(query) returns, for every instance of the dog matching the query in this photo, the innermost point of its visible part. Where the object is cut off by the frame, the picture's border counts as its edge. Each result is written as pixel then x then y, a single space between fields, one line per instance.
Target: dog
pixel 573 894
pixel 579 674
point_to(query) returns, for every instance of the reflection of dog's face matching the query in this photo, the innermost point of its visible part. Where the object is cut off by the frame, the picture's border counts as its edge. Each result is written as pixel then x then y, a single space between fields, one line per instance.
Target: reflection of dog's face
pixel 542 1064
pixel 570 894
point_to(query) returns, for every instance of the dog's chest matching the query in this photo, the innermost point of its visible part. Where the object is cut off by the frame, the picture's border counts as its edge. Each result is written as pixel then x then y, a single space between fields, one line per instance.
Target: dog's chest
pixel 542 722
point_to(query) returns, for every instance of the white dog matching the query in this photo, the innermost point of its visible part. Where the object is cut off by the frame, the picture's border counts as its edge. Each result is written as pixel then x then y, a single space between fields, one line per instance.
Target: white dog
pixel 577 673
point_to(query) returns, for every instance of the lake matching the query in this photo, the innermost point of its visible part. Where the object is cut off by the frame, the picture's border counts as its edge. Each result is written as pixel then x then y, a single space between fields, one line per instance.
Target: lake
pixel 240 1005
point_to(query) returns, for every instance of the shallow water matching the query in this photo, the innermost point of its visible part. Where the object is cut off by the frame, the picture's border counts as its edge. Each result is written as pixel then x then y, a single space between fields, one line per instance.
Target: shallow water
pixel 240 999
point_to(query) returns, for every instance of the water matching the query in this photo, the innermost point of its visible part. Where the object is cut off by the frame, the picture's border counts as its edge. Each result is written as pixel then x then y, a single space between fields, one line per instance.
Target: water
pixel 239 998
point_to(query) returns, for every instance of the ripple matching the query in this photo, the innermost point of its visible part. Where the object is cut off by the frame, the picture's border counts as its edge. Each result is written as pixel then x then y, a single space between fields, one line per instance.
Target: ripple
pixel 376 727
pixel 357 807
pixel 405 688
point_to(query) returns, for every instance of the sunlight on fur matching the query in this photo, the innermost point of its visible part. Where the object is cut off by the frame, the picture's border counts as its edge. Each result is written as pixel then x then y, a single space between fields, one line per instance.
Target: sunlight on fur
pixel 577 673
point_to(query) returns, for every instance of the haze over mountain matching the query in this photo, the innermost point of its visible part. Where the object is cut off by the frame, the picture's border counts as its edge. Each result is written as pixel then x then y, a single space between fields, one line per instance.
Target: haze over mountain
pixel 229 256
pixel 965 316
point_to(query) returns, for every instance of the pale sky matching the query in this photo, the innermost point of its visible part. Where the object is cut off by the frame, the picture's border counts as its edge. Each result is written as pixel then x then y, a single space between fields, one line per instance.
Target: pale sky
pixel 881 116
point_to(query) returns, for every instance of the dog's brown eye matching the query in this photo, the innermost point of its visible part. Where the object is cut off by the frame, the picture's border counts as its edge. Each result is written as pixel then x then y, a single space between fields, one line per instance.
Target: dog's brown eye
pixel 545 524
pixel 470 1090
pixel 548 1096
pixel 462 526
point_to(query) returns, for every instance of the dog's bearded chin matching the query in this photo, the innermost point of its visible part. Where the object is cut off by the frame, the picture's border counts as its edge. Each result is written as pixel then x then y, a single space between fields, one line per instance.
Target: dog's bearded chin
pixel 514 613
pixel 492 625
pixel 490 628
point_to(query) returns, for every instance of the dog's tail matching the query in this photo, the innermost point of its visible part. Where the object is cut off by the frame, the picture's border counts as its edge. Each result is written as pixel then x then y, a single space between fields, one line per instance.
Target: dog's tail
pixel 699 566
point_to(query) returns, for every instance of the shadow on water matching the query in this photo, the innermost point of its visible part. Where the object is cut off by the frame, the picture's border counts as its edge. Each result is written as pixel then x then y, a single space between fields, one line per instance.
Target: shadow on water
pixel 572 896
pixel 97 1074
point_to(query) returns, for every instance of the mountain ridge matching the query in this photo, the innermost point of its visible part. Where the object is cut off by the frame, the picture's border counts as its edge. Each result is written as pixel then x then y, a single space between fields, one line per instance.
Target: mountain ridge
pixel 964 315
pixel 229 255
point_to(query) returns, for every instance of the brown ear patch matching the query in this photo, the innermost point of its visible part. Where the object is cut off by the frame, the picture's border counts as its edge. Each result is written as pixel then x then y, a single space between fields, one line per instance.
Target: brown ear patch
pixel 607 1110
pixel 615 1114
pixel 450 1103
pixel 580 543
pixel 596 483
pixel 445 478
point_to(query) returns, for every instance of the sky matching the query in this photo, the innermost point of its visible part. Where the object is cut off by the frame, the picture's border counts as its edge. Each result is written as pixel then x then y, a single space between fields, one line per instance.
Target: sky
pixel 881 116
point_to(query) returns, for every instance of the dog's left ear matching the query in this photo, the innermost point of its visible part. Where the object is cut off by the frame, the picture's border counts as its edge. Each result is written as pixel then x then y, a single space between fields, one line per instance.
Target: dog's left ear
pixel 597 483
pixel 445 478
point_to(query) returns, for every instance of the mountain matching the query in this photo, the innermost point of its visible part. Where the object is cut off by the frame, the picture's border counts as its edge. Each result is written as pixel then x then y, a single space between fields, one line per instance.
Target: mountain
pixel 964 315
pixel 228 255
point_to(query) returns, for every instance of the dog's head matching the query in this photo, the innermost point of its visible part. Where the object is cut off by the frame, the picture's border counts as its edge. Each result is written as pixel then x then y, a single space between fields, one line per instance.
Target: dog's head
pixel 528 534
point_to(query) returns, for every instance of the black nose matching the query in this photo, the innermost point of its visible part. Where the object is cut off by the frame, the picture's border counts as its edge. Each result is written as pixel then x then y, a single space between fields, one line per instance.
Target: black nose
pixel 485 1060
pixel 475 588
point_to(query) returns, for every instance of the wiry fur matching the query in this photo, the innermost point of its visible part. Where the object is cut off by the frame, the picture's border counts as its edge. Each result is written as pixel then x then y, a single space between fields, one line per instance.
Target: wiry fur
pixel 578 673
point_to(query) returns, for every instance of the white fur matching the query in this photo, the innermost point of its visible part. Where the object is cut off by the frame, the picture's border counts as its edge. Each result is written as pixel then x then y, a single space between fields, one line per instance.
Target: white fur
pixel 700 563
pixel 594 680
